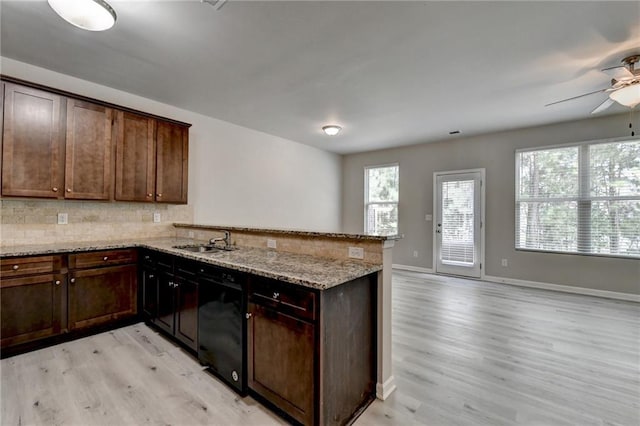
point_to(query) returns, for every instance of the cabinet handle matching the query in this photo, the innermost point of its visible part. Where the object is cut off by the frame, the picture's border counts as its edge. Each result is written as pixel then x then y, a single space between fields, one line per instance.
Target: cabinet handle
pixel 57 282
pixel 105 258
pixel 152 276
pixel 54 189
pixel 248 315
pixel 159 195
pixel 68 189
pixel 72 280
pixel 16 267
pixel 276 295
pixel 149 195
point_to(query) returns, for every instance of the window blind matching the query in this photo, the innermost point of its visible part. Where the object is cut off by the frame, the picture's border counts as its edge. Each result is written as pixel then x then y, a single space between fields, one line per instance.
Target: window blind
pixel 580 199
pixel 457 222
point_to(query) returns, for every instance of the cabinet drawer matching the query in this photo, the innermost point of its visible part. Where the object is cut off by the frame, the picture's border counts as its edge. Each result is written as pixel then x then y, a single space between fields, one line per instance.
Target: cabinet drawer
pixel 102 258
pixel 19 266
pixel 282 297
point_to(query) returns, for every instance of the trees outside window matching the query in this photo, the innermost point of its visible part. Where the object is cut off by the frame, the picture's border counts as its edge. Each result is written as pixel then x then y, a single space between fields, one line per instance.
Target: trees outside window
pixel 580 199
pixel 381 199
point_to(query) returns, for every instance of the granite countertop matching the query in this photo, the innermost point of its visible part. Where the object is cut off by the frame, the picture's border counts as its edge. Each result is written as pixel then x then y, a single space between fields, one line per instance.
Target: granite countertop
pixel 309 271
pixel 304 233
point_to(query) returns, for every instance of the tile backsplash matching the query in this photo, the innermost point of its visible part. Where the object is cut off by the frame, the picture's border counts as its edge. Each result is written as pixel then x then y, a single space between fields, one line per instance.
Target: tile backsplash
pixel 35 221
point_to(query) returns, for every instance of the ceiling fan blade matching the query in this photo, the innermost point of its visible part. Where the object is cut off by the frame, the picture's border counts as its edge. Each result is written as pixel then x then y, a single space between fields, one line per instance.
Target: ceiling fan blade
pixel 620 73
pixel 604 105
pixel 579 96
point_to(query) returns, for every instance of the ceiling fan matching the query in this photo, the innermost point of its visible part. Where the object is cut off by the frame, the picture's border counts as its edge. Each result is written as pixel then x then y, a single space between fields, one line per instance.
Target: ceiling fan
pixel 625 86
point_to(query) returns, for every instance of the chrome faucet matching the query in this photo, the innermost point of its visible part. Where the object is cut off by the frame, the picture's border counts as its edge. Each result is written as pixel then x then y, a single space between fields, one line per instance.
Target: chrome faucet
pixel 226 239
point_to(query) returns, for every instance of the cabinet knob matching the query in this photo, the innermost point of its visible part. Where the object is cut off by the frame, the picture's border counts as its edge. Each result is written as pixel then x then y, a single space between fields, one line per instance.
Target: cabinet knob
pixel 16 267
pixel 159 195
pixel 152 276
pixel 276 295
pixel 57 282
pixel 72 280
pixel 54 189
pixel 68 189
pixel 105 258
pixel 149 195
pixel 248 315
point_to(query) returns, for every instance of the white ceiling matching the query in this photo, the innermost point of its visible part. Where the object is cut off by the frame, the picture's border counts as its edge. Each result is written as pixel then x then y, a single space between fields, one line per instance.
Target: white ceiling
pixel 391 73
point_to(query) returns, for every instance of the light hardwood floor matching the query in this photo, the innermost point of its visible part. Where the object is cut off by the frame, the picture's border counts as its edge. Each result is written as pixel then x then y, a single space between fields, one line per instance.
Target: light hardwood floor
pixel 465 352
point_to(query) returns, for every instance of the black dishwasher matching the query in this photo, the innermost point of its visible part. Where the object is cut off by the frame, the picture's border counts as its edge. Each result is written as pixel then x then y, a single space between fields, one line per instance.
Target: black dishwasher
pixel 222 335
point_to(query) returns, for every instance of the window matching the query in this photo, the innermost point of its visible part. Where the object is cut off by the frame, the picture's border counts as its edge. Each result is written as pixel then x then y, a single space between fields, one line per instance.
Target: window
pixel 580 199
pixel 381 200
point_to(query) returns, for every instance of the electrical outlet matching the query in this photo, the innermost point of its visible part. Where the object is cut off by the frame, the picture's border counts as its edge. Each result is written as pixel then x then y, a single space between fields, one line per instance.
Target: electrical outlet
pixel 156 217
pixel 505 262
pixel 356 252
pixel 428 217
pixel 63 219
pixel 271 243
pixel 415 253
pixel 191 234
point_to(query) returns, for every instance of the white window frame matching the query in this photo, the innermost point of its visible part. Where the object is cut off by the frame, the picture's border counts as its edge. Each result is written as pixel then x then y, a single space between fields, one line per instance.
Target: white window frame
pixel 583 199
pixel 366 195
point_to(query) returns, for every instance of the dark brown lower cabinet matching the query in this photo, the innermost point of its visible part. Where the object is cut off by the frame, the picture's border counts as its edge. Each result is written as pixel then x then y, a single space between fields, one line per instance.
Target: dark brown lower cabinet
pixel 281 367
pixel 311 353
pixel 31 308
pixel 102 295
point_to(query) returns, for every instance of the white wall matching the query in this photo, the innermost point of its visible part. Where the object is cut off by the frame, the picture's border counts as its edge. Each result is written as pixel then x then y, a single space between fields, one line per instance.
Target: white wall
pixel 237 176
pixel 496 153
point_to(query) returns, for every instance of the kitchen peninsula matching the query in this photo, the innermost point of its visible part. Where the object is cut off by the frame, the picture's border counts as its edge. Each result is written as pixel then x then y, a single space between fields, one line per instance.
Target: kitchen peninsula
pixel 300 296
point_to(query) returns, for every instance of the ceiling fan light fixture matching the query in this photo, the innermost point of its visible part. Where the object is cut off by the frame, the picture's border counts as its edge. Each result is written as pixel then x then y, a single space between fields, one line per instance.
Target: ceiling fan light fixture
pixel 332 129
pixel 628 96
pixel 90 15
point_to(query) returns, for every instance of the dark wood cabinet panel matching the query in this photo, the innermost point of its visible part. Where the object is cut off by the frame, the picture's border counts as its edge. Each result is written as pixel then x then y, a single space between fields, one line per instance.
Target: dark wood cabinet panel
pixel 186 321
pixel 14 267
pixel 101 295
pixel 281 361
pixel 172 165
pixel 93 259
pixel 149 292
pixel 88 170
pixel 135 157
pixel 30 308
pixel 166 303
pixel 32 143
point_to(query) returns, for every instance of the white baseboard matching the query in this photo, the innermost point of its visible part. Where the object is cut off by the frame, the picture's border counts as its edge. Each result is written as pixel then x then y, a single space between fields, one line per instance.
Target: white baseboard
pixel 383 390
pixel 565 288
pixel 412 268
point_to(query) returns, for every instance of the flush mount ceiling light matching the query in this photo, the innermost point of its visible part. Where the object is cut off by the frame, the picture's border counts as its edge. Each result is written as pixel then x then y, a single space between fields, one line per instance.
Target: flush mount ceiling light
pixel 332 129
pixel 91 15
pixel 628 96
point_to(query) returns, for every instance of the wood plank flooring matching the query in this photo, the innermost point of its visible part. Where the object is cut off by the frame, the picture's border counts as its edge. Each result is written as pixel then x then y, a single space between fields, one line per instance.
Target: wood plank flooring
pixel 465 353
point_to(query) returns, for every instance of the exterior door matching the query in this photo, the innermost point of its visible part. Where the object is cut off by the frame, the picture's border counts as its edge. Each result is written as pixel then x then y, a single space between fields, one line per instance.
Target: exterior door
pixel 458 236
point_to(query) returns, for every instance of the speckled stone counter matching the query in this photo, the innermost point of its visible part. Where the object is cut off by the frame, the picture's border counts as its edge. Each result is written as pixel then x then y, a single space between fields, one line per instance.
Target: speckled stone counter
pixel 309 271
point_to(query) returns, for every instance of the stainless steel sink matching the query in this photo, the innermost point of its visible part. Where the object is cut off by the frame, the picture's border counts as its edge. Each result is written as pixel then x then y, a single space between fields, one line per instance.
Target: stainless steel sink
pixel 199 248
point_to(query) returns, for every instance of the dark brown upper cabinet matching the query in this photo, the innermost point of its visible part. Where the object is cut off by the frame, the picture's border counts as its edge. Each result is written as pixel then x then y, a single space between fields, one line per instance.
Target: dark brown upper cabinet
pixel 88 171
pixel 151 160
pixel 32 143
pixel 135 157
pixel 172 163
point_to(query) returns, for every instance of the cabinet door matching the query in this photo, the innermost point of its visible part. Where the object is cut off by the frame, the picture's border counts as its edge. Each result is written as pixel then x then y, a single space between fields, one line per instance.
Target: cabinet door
pixel 88 151
pixel 32 143
pixel 101 295
pixel 30 308
pixel 149 293
pixel 166 305
pixel 187 313
pixel 172 164
pixel 281 361
pixel 135 157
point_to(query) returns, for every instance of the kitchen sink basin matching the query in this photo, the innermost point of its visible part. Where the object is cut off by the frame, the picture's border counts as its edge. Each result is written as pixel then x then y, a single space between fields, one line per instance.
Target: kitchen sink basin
pixel 201 248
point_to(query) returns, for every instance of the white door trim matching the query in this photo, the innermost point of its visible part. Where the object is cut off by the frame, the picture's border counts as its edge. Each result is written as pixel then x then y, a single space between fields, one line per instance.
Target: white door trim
pixel 483 185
